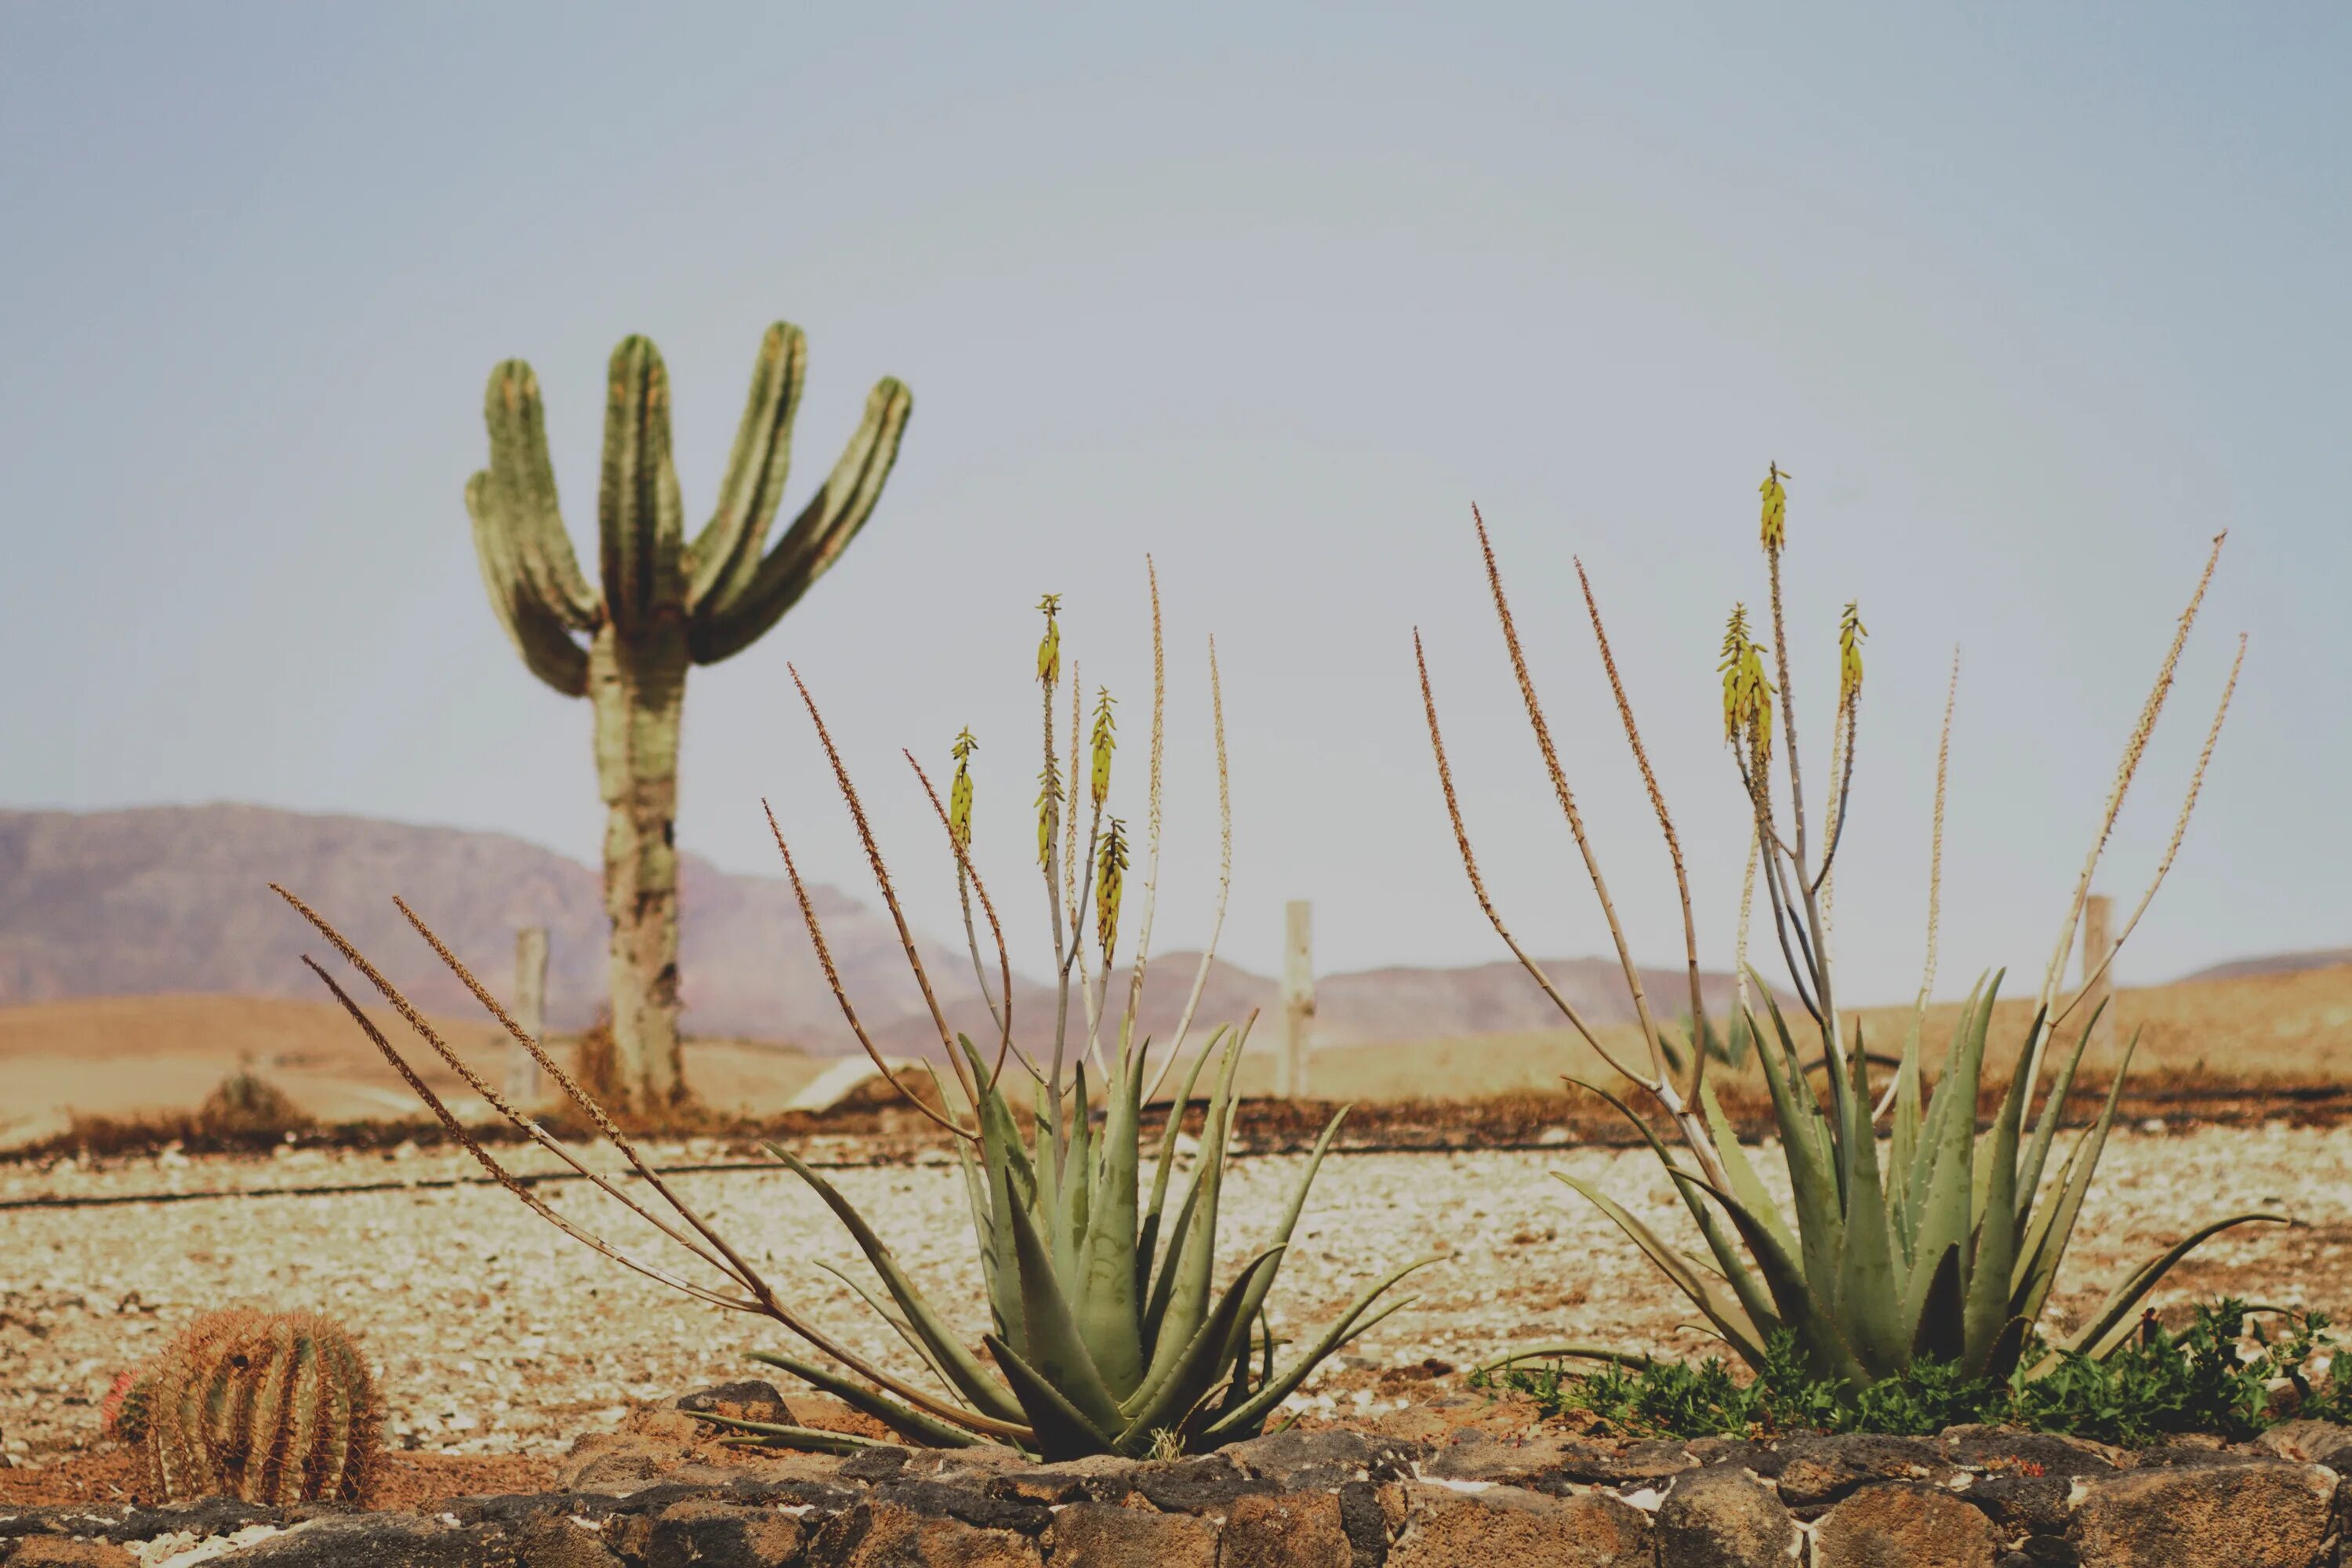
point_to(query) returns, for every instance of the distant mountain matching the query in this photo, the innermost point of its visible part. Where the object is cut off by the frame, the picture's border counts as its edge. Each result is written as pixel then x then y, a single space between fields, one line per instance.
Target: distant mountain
pixel 1359 1008
pixel 2276 963
pixel 176 898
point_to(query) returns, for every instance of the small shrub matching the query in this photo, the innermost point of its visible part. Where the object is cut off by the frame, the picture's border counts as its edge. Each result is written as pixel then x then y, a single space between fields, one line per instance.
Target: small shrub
pixel 243 1105
pixel 2223 1374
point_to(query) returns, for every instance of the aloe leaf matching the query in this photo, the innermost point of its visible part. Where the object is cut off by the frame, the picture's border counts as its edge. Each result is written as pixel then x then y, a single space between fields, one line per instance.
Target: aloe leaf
pixel 1570 1350
pixel 975 1192
pixel 2045 1127
pixel 1255 1301
pixel 1055 1350
pixel 1155 1309
pixel 961 1367
pixel 776 1435
pixel 1812 1181
pixel 897 1319
pixel 1170 1396
pixel 2025 1272
pixel 1987 1312
pixel 2111 1325
pixel 1725 1245
pixel 1868 1304
pixel 907 1422
pixel 1944 1216
pixel 1066 1222
pixel 1745 1184
pixel 1109 1318
pixel 1939 1328
pixel 1174 1124
pixel 1903 1140
pixel 1346 1327
pixel 1917 1179
pixel 2082 1164
pixel 1062 1430
pixel 1188 1295
pixel 1801 1309
pixel 1986 1144
pixel 1147 1244
pixel 1048 1162
pixel 2000 1361
pixel 1733 1319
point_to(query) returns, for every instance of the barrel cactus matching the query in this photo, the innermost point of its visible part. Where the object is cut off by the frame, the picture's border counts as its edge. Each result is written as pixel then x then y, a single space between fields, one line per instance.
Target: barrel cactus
pixel 665 604
pixel 271 1407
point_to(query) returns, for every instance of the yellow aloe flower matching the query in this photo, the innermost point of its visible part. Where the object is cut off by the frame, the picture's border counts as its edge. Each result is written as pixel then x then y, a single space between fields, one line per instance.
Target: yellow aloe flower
pixel 1110 874
pixel 1776 510
pixel 1049 649
pixel 1850 631
pixel 1105 743
pixel 1746 694
pixel 959 790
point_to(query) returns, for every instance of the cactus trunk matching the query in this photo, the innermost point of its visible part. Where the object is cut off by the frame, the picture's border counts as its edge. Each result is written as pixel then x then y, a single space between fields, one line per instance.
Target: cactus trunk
pixel 638 693
pixel 666 604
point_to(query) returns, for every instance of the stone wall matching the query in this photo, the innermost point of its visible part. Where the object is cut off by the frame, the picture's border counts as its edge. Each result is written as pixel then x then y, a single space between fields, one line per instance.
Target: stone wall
pixel 649 1498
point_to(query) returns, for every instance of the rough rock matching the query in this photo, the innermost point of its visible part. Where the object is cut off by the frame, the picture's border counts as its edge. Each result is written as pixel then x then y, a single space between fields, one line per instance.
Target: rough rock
pixel 1903 1525
pixel 2023 1505
pixel 1817 1470
pixel 1587 1463
pixel 2309 1442
pixel 1724 1517
pixel 64 1551
pixel 1293 1529
pixel 2042 1552
pixel 1209 1485
pixel 562 1544
pixel 1524 1529
pixel 747 1399
pixel 2002 1451
pixel 1298 1460
pixel 2247 1515
pixel 1098 1535
pixel 1371 1512
pixel 378 1540
pixel 882 1534
pixel 615 1461
pixel 723 1535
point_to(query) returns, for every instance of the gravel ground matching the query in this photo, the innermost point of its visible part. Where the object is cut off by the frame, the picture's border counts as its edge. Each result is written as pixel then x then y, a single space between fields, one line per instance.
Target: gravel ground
pixel 494 1333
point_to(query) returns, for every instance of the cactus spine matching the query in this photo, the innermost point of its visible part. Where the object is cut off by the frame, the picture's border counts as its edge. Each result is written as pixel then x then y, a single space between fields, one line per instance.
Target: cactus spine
pixel 665 604
pixel 272 1408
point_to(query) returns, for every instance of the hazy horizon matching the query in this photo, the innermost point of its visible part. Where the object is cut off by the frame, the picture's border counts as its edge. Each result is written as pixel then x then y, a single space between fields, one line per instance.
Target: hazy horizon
pixel 2031 304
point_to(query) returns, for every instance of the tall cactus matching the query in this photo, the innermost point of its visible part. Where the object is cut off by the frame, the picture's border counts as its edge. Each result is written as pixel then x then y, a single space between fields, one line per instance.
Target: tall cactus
pixel 666 604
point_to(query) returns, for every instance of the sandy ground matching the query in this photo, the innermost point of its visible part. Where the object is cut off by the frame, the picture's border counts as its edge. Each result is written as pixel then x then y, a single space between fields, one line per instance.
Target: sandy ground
pixel 129 1056
pixel 122 1057
pixel 497 1334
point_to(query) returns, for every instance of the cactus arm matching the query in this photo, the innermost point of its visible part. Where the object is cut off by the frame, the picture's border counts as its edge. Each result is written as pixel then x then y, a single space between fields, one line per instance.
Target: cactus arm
pixel 537 632
pixel 727 552
pixel 522 481
pixel 640 526
pixel 816 539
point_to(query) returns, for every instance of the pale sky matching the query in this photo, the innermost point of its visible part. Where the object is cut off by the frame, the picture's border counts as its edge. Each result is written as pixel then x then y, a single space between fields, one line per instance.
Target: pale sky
pixel 2031 301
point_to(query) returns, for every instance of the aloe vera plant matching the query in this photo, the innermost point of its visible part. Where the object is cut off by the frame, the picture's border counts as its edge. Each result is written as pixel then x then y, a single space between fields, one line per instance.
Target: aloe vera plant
pixel 1914 1235
pixel 1107 1331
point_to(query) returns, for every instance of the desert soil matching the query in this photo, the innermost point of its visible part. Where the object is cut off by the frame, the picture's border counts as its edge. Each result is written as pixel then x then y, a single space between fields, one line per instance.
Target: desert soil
pixel 496 1334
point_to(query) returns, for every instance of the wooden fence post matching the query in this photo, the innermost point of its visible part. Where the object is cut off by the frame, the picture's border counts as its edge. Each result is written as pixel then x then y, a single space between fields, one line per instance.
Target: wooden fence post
pixel 1298 995
pixel 523 1086
pixel 2098 942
